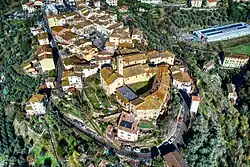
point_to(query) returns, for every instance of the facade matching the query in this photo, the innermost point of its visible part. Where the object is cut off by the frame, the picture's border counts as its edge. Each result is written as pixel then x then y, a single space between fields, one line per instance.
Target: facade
pixel 36 105
pixel 211 3
pixel 87 69
pixel 156 57
pixel 136 73
pixel 112 2
pixel 149 107
pixel 152 2
pixel 71 79
pixel 29 7
pixel 127 127
pixel 173 158
pixel 229 60
pixel 110 80
pixel 232 95
pixel 137 35
pixel 43 38
pixel 219 33
pixel 196 3
pixel 181 79
pixel 50 82
pixel 195 104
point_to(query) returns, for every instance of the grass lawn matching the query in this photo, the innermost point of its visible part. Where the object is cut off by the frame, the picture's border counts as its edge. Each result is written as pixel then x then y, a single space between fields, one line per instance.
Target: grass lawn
pixel 145 125
pixel 240 49
pixel 136 86
pixel 90 93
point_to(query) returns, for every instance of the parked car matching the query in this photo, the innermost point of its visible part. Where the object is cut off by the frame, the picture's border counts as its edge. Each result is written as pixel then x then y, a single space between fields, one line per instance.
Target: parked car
pixel 136 149
pixel 128 147
pixel 171 140
pixel 145 150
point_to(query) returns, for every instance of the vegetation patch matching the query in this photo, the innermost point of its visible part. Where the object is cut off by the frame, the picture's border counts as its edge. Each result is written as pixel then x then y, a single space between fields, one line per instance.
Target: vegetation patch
pixel 90 92
pixel 240 49
pixel 145 125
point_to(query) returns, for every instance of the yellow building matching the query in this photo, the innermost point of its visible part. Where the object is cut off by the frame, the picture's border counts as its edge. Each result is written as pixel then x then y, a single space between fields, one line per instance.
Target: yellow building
pixel 134 58
pixel 136 73
pixel 46 61
pixel 230 60
pixel 156 57
pixel 149 105
pixel 110 80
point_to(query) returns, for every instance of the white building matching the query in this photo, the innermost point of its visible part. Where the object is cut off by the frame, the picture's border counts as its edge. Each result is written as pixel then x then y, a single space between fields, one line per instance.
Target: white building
pixel 195 104
pixel 71 79
pixel 36 105
pixel 29 7
pixel 50 82
pixel 232 95
pixel 43 39
pixel 229 60
pixel 87 69
pixel 152 2
pixel 127 127
pixel 102 59
pixel 196 3
pixel 182 81
pixel 211 3
pixel 219 33
pixel 156 57
pixel 112 2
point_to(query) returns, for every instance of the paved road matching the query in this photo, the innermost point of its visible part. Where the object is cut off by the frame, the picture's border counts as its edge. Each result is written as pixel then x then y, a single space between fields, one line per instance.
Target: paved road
pixel 180 125
pixel 103 141
pixel 57 58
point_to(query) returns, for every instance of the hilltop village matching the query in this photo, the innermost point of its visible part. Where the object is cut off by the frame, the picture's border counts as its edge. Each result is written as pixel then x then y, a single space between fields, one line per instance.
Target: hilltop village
pixel 124 83
pixel 91 42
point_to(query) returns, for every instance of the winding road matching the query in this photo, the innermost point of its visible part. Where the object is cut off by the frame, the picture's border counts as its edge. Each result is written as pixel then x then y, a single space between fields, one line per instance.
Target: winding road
pixel 154 151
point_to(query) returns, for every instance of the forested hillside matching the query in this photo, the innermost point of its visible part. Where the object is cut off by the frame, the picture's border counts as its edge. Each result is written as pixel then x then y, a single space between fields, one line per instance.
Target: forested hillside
pixel 15 48
pixel 219 134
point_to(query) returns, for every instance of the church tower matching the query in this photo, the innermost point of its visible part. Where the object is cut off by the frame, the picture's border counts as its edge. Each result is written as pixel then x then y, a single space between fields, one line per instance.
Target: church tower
pixel 119 64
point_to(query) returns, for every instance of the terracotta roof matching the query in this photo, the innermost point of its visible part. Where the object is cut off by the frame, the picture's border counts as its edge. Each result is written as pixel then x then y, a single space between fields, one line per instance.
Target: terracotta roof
pixel 155 54
pixel 69 14
pixel 113 26
pixel 211 0
pixel 149 103
pixel 135 70
pixel 74 60
pixel 58 29
pixel 43 49
pixel 137 32
pixel 174 159
pixel 196 98
pixel 42 36
pixel 125 45
pixel 109 75
pixel 68 35
pixel 112 44
pixel 181 77
pixel 37 98
pixel 45 56
pixel 83 24
pixel 134 57
pixel 81 41
pixel 236 56
pixel 69 73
